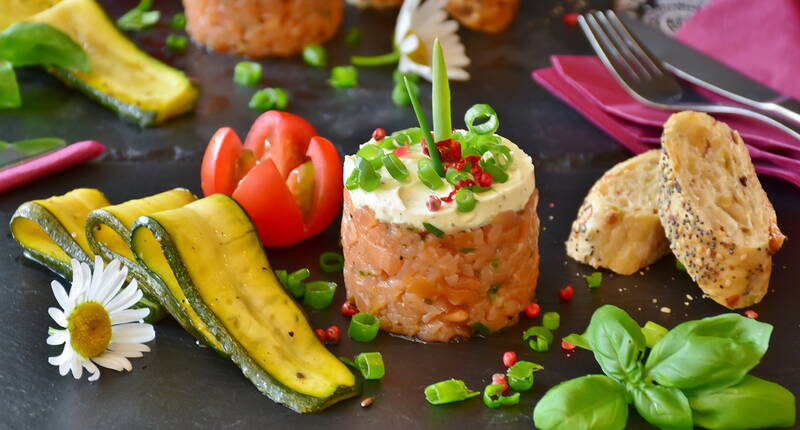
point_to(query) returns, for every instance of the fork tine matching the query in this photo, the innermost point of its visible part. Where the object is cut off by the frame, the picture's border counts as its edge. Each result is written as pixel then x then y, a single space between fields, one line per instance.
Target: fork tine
pixel 618 40
pixel 644 55
pixel 605 50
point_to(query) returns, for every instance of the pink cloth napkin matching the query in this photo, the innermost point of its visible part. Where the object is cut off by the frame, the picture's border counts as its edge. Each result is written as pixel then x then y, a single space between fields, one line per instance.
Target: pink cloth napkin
pixel 48 164
pixel 585 84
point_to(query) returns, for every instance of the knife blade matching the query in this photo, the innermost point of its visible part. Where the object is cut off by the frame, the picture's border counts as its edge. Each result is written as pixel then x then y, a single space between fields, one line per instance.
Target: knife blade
pixel 703 71
pixel 15 153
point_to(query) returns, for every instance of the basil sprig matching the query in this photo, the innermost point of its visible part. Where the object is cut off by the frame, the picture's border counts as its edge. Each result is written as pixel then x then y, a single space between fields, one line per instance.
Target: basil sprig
pixel 696 375
pixel 31 44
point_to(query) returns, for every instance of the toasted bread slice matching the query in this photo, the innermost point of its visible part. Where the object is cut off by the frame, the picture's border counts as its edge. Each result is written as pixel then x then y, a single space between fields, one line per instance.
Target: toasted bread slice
pixel 617 225
pixel 718 219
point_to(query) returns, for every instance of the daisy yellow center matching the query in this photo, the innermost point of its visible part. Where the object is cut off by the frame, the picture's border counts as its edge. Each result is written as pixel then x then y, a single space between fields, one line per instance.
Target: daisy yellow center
pixel 89 328
pixel 421 54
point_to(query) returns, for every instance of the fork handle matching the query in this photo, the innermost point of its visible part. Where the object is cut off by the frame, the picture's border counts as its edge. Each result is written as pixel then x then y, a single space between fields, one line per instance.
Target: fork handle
pixel 785 126
pixel 788 108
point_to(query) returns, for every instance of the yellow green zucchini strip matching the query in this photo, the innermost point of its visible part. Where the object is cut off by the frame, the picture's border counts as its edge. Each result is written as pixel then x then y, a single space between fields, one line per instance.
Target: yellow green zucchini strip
pixel 211 249
pixel 108 233
pixel 51 231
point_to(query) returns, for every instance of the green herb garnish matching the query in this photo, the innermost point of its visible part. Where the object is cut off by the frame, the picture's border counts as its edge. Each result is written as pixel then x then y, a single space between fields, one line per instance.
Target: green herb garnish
pixel 247 73
pixel 594 280
pixel 319 294
pixel 480 328
pixel 538 338
pixel 177 43
pixel 492 291
pixel 364 327
pixel 452 390
pixel 493 397
pixel 376 61
pixel 465 200
pixel 343 77
pixel 331 262
pixel 178 21
pixel 353 36
pixel 551 320
pixel 371 365
pixel 269 98
pixel 9 88
pixel 653 333
pixel 520 375
pixel 427 174
pixel 395 167
pixel 466 250
pixel 481 111
pixel 432 229
pixel 679 266
pixel 315 56
pixel 696 375
pixel 140 17
pixel 442 121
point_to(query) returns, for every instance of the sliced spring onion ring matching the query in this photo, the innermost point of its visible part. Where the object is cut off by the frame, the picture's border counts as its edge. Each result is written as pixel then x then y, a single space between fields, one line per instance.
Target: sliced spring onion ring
pixel 465 200
pixel 520 375
pixel 387 143
pixel 427 174
pixel 551 320
pixel 294 282
pixel 454 176
pixel 364 327
pixel 352 181
pixel 371 153
pixel 368 179
pixel 539 338
pixel 482 111
pixel 498 174
pixel 331 262
pixel 395 167
pixel 319 294
pixel 371 365
pixel 282 278
pixel 432 229
pixel 449 391
pixel 493 397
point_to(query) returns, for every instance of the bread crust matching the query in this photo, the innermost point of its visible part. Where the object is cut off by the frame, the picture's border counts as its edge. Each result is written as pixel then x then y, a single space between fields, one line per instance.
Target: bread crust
pixel 617 226
pixel 717 217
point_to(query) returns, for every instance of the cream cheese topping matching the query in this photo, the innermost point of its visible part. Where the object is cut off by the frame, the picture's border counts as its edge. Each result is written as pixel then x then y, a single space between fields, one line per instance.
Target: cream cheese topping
pixel 405 202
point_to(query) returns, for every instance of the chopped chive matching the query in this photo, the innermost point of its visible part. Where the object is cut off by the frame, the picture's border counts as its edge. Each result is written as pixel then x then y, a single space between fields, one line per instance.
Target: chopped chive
pixel 449 391
pixel 178 21
pixel 368 179
pixel 140 17
pixel 432 229
pixel 373 154
pixel 377 60
pixel 294 282
pixel 465 200
pixel 331 262
pixel 427 174
pixel 426 131
pixel 319 294
pixel 352 181
pixel 177 43
pixel 348 362
pixel 282 278
pixel 247 73
pixel 353 36
pixel 442 122
pixel 269 98
pixel 539 338
pixel 364 327
pixel 480 328
pixel 344 77
pixel 395 167
pixel 428 301
pixel 551 320
pixel 594 280
pixel 371 365
pixel 493 290
pixel 679 266
pixel 315 56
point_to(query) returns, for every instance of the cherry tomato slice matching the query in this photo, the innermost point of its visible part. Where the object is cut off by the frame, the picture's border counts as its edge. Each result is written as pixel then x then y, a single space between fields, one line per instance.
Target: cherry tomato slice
pixel 218 173
pixel 281 136
pixel 327 186
pixel 265 197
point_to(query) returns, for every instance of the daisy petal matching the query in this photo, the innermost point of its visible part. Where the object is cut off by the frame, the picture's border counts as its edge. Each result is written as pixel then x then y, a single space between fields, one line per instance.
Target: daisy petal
pixel 66 355
pixel 129 315
pixel 128 347
pixel 63 368
pixel 57 338
pixel 60 293
pixel 93 370
pixel 132 333
pixel 125 299
pixel 124 362
pixel 107 362
pixel 77 369
pixel 58 316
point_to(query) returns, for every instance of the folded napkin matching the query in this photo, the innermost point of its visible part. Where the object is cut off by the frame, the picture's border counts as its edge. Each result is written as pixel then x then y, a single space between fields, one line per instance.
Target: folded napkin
pixel 50 163
pixel 585 84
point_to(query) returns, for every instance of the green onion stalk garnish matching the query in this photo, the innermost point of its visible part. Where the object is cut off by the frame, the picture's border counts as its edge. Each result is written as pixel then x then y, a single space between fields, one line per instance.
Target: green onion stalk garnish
pixel 364 327
pixel 449 391
pixel 371 365
pixel 319 294
pixel 442 125
pixel 377 60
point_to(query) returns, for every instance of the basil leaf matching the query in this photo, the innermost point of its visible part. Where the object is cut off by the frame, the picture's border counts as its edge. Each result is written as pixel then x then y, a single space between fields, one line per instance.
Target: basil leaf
pixel 617 342
pixel 578 340
pixel 592 402
pixel 663 407
pixel 9 89
pixel 709 353
pixel 752 403
pixel 37 43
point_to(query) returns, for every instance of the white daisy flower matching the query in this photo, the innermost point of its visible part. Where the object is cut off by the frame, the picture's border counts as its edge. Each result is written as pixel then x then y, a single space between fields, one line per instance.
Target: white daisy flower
pixel 416 29
pixel 97 326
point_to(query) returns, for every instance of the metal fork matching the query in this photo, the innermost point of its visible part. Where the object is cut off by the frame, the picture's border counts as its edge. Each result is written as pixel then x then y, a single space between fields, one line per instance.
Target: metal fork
pixel 645 78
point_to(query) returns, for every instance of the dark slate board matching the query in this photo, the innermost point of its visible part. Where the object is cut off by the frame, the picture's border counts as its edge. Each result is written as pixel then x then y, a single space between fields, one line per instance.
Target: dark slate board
pixel 182 385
